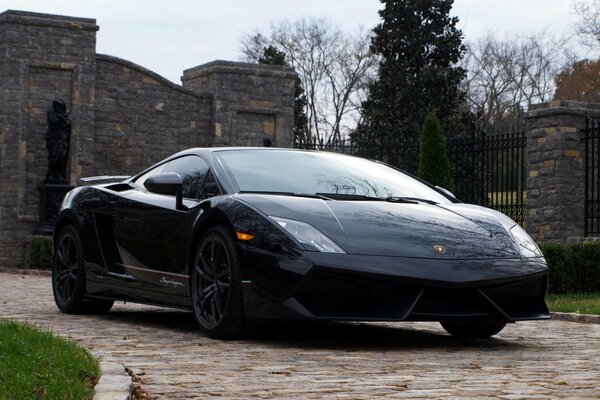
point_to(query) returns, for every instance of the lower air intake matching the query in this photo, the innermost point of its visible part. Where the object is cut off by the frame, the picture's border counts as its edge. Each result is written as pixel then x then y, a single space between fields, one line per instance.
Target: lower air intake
pixel 520 300
pixel 333 295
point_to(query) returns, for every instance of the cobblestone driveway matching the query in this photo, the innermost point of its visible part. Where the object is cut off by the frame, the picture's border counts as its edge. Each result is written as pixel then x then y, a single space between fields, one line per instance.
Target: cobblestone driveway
pixel 532 360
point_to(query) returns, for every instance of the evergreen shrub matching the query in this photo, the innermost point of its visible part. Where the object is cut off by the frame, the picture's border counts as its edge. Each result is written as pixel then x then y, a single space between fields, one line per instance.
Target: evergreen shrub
pixel 434 166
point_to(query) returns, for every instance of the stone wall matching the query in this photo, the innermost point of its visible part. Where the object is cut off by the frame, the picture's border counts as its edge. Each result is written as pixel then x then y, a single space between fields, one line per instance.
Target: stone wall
pixel 141 118
pixel 247 101
pixel 556 170
pixel 124 117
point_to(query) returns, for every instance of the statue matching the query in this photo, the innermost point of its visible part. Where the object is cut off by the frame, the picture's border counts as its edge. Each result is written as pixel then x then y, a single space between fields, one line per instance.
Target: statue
pixel 58 139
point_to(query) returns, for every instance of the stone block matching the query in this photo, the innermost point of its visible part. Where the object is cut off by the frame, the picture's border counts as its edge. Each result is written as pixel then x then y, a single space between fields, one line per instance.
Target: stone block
pixel 572 153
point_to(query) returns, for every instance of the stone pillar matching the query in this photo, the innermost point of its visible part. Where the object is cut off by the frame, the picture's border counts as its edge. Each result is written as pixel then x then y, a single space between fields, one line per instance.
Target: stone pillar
pixel 556 175
pixel 251 102
pixel 42 57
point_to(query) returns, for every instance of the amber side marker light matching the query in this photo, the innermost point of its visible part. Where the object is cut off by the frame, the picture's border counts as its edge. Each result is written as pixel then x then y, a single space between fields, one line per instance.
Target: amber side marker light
pixel 244 236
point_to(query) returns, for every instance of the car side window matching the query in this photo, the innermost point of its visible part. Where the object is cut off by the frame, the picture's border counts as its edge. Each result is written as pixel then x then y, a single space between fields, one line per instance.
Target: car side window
pixel 191 169
pixel 211 187
pixel 140 181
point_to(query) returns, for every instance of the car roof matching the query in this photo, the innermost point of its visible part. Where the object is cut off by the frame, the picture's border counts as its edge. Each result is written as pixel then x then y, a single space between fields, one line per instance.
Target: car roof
pixel 233 148
pixel 210 150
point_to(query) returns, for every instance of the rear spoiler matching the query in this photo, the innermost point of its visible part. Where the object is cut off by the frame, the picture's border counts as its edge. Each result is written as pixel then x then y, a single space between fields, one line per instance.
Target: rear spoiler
pixel 98 180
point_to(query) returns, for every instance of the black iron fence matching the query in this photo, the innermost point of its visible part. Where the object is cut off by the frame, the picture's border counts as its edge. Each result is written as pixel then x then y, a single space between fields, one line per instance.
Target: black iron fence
pixel 487 168
pixel 592 176
pixel 504 169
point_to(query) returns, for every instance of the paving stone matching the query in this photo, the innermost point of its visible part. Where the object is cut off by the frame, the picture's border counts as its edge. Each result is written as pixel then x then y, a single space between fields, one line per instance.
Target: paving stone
pixel 528 360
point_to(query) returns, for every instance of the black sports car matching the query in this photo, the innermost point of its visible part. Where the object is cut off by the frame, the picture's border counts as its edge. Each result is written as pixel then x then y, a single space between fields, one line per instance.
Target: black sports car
pixel 237 234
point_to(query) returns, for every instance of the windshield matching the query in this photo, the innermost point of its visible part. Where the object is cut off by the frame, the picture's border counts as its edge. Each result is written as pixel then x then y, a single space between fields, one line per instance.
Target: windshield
pixel 320 173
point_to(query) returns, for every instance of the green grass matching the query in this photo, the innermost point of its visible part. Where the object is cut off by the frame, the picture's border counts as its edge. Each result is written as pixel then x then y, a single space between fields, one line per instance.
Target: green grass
pixel 574 303
pixel 35 364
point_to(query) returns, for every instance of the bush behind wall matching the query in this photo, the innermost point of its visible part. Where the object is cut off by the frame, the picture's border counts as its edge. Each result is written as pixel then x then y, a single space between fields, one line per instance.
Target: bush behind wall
pixel 573 268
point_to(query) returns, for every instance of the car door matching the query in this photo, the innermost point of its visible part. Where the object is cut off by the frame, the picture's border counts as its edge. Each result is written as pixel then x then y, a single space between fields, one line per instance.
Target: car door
pixel 150 232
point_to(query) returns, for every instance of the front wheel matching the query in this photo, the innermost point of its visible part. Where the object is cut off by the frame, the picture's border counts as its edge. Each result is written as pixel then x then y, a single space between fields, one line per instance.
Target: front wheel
pixel 216 286
pixel 68 276
pixel 473 329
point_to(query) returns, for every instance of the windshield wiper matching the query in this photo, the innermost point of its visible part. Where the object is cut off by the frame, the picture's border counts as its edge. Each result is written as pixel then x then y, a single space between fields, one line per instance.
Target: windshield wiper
pixel 346 196
pixel 390 199
pixel 294 194
pixel 343 196
pixel 405 199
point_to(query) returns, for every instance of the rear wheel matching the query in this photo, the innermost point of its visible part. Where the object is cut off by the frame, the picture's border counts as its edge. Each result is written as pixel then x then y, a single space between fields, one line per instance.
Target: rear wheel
pixel 473 329
pixel 68 276
pixel 216 286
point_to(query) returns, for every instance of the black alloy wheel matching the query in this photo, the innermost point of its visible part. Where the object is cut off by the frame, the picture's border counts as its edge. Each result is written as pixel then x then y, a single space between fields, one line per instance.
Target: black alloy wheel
pixel 66 267
pixel 216 286
pixel 68 276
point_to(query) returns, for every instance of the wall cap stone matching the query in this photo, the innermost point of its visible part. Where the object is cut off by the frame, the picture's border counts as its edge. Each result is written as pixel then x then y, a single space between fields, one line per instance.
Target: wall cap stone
pixel 256 110
pixel 151 74
pixel 242 68
pixel 563 107
pixel 51 20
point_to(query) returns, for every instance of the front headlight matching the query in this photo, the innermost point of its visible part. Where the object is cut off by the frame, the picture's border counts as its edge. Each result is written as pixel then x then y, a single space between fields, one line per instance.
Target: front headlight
pixel 525 244
pixel 308 236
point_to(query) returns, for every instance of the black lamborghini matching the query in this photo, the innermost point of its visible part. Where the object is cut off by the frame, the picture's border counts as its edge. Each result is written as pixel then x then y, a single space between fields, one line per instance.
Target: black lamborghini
pixel 239 234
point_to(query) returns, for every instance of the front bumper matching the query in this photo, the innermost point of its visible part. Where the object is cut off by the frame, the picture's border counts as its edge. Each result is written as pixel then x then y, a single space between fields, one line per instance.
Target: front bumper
pixel 357 287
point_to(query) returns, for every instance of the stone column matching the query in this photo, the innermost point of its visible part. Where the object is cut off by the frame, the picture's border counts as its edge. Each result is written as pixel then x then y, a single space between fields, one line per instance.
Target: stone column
pixel 251 102
pixel 556 170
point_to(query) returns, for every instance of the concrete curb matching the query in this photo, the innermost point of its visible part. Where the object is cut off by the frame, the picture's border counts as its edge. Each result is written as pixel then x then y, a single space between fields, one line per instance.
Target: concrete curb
pixel 115 383
pixel 572 317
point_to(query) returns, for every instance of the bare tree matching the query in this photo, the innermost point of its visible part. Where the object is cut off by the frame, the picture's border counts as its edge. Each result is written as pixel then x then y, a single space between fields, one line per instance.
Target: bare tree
pixel 589 25
pixel 506 76
pixel 334 68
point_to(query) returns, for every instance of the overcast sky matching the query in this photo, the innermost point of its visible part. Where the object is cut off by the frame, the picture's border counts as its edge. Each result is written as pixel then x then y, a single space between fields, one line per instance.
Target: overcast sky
pixel 168 36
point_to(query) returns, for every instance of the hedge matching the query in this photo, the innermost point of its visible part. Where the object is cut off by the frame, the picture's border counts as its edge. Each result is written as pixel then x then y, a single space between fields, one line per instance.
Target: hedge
pixel 40 255
pixel 573 268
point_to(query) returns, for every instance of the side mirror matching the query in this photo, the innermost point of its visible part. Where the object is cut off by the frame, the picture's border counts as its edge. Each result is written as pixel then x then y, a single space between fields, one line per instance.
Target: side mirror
pixel 169 183
pixel 446 192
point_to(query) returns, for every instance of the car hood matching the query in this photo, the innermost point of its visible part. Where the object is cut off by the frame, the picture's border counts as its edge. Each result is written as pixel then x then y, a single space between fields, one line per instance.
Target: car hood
pixel 398 229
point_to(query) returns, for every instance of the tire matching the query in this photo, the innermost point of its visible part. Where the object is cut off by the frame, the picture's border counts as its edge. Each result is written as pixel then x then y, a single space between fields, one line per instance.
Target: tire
pixel 216 286
pixel 68 276
pixel 473 329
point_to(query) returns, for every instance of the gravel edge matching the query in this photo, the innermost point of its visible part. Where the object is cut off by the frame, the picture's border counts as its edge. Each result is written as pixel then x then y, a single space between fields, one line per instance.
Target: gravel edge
pixel 24 271
pixel 572 317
